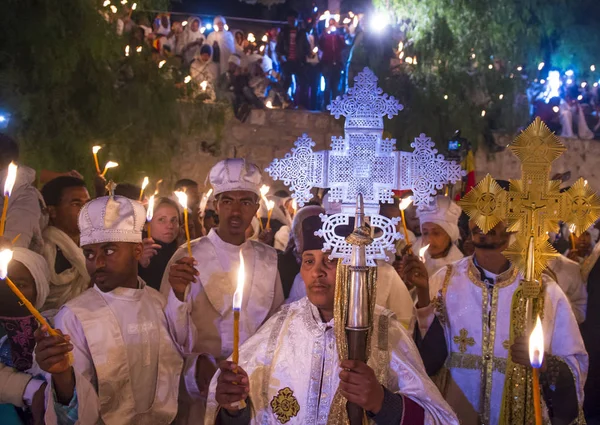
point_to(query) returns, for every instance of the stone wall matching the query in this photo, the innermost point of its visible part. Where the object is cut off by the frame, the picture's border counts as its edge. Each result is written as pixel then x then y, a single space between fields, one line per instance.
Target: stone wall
pixel 269 134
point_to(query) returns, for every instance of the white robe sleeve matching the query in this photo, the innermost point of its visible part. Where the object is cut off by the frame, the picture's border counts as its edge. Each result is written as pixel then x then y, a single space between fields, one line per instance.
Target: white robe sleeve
pixel 399 300
pixel 426 315
pixel 278 297
pixel 86 402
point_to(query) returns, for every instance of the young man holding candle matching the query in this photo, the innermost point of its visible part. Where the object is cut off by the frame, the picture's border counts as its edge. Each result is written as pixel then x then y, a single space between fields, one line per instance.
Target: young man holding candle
pixel 126 368
pixel 203 286
pixel 472 324
pixel 64 197
pixel 290 371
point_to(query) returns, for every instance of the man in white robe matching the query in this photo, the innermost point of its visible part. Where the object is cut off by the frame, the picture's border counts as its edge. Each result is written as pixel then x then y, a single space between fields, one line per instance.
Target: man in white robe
pixel 290 370
pixel 202 287
pixel 568 276
pixel 392 293
pixel 222 42
pixel 125 368
pixel 471 316
pixel 64 197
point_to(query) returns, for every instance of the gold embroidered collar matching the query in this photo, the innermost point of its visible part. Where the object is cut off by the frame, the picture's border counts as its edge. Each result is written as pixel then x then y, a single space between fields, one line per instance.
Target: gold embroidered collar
pixel 503 280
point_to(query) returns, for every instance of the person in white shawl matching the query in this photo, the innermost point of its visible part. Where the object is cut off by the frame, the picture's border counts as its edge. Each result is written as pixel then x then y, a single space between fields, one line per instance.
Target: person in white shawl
pixel 290 371
pixel 221 39
pixel 64 197
pixel 192 39
pixel 20 383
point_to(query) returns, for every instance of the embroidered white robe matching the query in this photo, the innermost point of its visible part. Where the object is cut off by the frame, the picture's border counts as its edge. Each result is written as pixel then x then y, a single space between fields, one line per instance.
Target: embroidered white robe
pixel 478 351
pixel 568 274
pixel 127 367
pixel 296 350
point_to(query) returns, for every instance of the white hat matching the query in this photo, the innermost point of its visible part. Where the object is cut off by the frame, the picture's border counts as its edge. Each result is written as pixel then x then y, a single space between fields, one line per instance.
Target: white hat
pixel 235 174
pixel 445 215
pixel 235 59
pixel 111 219
pixel 218 19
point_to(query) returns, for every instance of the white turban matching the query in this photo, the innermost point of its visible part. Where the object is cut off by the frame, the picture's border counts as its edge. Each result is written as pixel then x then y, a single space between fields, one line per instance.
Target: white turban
pixel 445 214
pixel 38 267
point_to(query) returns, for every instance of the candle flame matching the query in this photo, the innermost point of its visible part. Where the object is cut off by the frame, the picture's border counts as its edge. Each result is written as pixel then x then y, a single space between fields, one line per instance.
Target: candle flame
pixel 536 344
pixel 585 182
pixel 5 257
pixel 10 179
pixel 150 212
pixel 106 3
pixel 269 104
pixel 239 290
pixel 145 183
pixel 113 9
pixel 264 189
pixel 204 85
pixel 187 79
pixel 127 50
pixel 422 252
pixel 111 164
pixel 138 49
pixel 251 38
pixel 270 205
pixel 405 203
pixel 162 63
pixel 572 228
pixel 184 23
pixel 316 50
pixel 182 198
pixel 134 6
pixel 294 205
pixel 96 149
pixel 265 38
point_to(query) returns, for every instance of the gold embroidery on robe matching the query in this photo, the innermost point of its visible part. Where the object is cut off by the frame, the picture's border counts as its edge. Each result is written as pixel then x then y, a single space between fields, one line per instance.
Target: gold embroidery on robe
pixel 284 405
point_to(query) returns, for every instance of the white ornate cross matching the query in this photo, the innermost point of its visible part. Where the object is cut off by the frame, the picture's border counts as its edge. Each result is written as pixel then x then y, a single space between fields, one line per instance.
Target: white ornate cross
pixel 363 162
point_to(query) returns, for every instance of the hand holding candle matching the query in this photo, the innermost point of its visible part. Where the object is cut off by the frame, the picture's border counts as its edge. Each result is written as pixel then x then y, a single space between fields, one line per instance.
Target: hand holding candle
pixel 404 204
pixel 536 356
pixel 95 151
pixel 182 197
pixel 237 307
pixel 144 184
pixel 11 176
pixel 109 164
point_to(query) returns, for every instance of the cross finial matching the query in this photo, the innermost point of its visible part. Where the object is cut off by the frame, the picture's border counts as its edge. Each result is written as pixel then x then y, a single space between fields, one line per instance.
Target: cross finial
pixel 365 105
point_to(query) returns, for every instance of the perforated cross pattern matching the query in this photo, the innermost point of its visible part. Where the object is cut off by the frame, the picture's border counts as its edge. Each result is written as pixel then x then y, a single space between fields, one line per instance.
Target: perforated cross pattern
pixel 362 162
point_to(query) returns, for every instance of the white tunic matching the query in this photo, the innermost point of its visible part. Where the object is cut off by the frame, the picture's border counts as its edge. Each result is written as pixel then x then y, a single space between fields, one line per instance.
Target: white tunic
pixel 568 274
pixel 434 264
pixel 127 367
pixel 392 294
pixel 297 351
pixel 476 320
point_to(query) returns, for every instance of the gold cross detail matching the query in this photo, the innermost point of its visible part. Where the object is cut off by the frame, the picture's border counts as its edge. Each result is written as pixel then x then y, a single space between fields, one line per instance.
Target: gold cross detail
pixel 534 205
pixel 463 340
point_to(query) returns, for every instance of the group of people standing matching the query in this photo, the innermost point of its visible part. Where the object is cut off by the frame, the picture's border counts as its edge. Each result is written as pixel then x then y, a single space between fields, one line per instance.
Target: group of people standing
pixel 146 330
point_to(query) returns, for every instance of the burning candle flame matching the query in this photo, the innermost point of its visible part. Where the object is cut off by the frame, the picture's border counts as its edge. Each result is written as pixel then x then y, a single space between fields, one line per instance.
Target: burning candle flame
pixel 536 345
pixel 405 203
pixel 109 164
pixel 134 6
pixel 5 257
pixel 270 205
pixel 10 179
pixel 204 85
pixel 316 50
pixel 251 38
pixel 145 183
pixel 294 205
pixel 162 63
pixel 182 198
pixel 150 212
pixel 187 79
pixel 239 290
pixel 422 252
pixel 96 149
pixel 265 38
pixel 572 228
pixel 264 190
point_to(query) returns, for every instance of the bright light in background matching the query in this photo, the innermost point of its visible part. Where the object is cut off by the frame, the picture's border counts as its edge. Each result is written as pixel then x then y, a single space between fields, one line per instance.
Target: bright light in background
pixel 583 85
pixel 315 9
pixel 555 109
pixel 322 83
pixel 541 66
pixel 580 97
pixel 490 66
pixel 162 63
pixel 2 118
pixel 519 68
pixel 593 68
pixel 184 23
pixel 483 113
pixel 501 97
pixel 226 27
pixel 569 73
pixel 445 97
pixel 554 84
pixel 379 21
pixel 569 81
pixel 113 9
pixel 208 26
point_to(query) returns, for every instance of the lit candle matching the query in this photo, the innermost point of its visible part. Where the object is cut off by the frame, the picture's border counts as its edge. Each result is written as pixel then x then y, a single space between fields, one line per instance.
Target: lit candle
pixel 536 356
pixel 294 206
pixel 204 85
pixel 204 201
pixel 237 307
pixel 182 197
pixel 11 176
pixel 264 189
pixel 270 206
pixel 422 252
pixel 251 38
pixel 95 151
pixel 265 38
pixel 109 164
pixel 144 184
pixel 149 215
pixel 404 204
pixel 572 229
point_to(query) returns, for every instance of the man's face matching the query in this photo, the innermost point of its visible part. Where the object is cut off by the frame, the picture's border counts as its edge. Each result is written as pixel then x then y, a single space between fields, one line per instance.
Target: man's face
pixel 10 306
pixel 205 57
pixel 64 215
pixel 112 264
pixel 412 221
pixel 436 237
pixel 164 21
pixel 195 25
pixel 318 274
pixel 584 242
pixel 236 210
pixel 220 25
pixel 496 239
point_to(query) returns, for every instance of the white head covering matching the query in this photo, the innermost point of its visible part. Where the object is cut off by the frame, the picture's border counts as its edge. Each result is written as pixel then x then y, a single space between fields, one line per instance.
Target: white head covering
pixel 235 174
pixel 38 267
pixel 219 19
pixel 111 219
pixel 446 216
pixel 235 59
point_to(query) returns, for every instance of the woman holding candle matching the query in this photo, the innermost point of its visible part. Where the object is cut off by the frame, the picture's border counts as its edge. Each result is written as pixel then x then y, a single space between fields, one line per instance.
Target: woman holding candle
pixel 21 384
pixel 160 247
